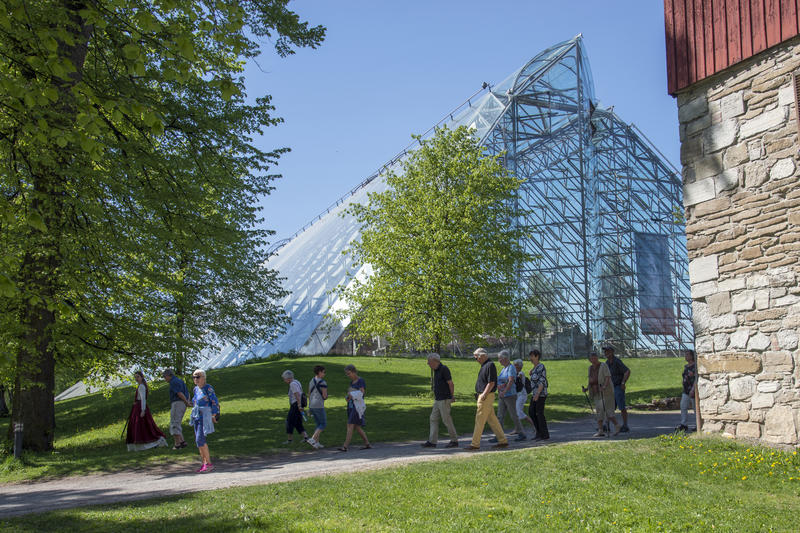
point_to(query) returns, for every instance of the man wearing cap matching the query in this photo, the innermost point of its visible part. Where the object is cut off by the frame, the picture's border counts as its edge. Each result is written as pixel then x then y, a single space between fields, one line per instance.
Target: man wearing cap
pixel 619 376
pixel 485 387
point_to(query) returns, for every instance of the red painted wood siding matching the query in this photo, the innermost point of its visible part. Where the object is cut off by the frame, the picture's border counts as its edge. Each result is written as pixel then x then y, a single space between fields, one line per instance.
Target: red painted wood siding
pixel 707 36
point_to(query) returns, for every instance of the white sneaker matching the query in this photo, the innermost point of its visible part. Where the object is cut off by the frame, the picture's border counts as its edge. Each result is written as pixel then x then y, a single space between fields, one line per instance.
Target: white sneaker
pixel 311 442
pixel 318 445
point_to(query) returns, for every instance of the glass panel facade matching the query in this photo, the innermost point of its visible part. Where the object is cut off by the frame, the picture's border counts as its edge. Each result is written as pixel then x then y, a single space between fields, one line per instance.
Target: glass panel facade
pixel 602 204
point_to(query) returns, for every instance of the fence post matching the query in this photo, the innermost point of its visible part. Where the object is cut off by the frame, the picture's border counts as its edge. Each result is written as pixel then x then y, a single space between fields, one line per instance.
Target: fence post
pixel 18 429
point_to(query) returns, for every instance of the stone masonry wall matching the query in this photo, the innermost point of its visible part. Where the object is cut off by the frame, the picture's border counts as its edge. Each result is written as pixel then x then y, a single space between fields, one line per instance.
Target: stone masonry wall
pixel 739 150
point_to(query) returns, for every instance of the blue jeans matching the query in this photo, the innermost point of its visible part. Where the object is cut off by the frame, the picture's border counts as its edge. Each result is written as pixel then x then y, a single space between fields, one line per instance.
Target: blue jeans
pixel 199 432
pixel 619 397
pixel 319 417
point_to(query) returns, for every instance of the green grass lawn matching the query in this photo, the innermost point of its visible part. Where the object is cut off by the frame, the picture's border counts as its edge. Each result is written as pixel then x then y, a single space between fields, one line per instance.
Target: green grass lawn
pixel 671 483
pixel 254 405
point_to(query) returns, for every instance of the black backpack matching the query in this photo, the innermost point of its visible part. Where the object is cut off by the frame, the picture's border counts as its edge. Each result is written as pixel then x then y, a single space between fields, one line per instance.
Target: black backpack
pixel 303 401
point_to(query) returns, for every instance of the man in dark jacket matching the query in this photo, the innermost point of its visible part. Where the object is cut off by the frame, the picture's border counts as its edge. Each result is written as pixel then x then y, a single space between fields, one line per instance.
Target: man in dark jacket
pixel 619 376
pixel 178 402
pixel 687 396
pixel 442 385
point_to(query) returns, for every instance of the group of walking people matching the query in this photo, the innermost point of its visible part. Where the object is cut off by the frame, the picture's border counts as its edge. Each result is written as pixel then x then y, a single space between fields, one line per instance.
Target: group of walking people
pixel 512 387
pixel 141 431
pixel 317 394
pixel 606 388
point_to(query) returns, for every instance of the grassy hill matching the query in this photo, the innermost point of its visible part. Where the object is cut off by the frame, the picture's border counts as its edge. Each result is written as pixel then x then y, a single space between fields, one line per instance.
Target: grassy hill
pixel 254 406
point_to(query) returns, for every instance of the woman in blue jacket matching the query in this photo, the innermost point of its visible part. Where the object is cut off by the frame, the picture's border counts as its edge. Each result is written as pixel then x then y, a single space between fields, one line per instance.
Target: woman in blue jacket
pixel 204 414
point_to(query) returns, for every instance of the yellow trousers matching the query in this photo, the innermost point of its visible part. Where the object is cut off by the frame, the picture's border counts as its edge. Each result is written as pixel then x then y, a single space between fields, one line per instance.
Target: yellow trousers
pixel 484 414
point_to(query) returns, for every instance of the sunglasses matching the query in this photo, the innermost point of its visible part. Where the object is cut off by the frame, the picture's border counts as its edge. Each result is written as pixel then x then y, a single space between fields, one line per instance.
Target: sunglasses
pixel 196 377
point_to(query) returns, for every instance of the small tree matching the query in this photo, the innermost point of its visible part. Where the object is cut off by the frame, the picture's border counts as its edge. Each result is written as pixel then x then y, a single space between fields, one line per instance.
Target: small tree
pixel 443 246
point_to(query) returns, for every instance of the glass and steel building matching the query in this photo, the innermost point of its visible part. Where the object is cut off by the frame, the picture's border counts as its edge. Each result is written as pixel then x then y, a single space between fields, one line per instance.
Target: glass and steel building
pixel 603 205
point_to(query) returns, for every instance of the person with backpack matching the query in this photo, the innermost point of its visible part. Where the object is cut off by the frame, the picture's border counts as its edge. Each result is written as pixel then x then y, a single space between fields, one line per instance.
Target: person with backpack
pixel 523 390
pixel 297 405
pixel 507 394
pixel 317 394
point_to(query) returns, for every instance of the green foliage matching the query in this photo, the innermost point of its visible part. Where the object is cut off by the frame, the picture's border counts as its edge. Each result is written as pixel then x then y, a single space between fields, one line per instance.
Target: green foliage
pixel 443 247
pixel 129 180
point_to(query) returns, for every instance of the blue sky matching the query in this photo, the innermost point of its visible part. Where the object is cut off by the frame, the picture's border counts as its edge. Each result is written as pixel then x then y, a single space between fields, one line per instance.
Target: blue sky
pixel 388 69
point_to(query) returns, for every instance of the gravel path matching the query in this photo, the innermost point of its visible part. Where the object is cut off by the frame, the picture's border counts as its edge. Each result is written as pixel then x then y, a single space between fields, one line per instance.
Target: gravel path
pixel 78 491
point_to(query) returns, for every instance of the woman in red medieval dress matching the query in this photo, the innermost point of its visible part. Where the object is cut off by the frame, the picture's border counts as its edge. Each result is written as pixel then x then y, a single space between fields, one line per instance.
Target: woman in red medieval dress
pixel 143 433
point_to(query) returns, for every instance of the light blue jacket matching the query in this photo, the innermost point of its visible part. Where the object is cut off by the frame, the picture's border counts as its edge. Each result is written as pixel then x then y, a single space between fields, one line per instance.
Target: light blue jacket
pixel 206 405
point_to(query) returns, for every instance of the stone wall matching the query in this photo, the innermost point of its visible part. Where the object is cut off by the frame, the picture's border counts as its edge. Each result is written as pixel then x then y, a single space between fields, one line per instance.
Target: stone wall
pixel 739 150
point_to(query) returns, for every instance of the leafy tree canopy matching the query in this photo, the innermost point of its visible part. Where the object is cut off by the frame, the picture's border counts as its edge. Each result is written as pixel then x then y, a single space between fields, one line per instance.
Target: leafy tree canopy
pixel 128 177
pixel 443 246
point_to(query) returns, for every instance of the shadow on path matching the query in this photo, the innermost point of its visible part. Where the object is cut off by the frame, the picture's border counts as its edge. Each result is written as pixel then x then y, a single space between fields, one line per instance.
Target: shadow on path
pixel 36 497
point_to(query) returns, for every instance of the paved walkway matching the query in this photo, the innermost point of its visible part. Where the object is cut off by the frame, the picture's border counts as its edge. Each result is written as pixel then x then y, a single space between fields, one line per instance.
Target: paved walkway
pixel 78 491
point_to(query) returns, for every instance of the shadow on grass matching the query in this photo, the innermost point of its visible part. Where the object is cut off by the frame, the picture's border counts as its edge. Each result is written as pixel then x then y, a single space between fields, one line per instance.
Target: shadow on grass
pixel 137 521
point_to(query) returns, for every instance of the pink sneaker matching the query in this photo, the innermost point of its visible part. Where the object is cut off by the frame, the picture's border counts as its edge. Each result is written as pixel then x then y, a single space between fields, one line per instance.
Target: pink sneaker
pixel 205 468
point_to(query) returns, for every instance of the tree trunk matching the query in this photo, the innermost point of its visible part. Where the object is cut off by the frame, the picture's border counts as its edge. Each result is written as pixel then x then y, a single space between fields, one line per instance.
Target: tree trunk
pixel 39 277
pixel 183 305
pixel 34 401
pixel 180 357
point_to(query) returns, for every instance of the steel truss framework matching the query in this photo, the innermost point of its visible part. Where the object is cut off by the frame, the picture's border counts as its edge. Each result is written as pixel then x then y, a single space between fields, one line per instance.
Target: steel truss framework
pixel 593 183
pixel 595 191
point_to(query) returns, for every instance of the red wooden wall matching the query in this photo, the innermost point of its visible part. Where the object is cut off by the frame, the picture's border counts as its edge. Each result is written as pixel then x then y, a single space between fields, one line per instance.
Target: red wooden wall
pixel 706 36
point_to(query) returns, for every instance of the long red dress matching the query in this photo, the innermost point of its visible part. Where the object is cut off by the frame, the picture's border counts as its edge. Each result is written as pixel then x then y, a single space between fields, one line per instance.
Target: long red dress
pixel 143 433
